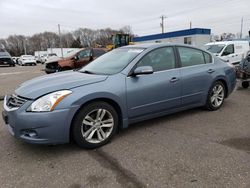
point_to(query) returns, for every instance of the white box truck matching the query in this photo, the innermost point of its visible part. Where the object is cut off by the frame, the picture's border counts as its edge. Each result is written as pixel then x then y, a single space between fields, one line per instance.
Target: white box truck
pixel 230 51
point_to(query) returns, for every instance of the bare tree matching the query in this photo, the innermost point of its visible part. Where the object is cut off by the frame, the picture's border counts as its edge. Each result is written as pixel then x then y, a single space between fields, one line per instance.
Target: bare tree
pixel 17 44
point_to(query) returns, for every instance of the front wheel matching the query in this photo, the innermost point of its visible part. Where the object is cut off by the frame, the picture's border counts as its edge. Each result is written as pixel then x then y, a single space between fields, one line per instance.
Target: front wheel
pixel 216 96
pixel 245 84
pixel 95 125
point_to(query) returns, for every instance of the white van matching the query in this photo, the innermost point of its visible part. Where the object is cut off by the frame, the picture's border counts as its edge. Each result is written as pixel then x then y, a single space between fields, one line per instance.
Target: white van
pixel 230 51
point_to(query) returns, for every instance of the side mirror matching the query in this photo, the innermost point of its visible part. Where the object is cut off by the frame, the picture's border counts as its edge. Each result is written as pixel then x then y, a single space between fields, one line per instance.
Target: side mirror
pixel 76 58
pixel 225 53
pixel 143 70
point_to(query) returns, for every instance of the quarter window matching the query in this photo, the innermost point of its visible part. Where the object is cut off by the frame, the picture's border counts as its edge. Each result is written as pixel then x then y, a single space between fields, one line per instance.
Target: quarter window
pixel 160 59
pixel 190 56
pixel 208 57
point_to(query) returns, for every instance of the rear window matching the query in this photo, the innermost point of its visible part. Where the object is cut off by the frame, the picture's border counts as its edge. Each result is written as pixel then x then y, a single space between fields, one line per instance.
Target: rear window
pixel 191 56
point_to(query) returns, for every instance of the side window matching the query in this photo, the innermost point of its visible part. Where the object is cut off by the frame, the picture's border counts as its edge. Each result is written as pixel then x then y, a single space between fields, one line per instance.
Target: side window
pixel 83 54
pixel 160 59
pixel 208 57
pixel 190 56
pixel 228 50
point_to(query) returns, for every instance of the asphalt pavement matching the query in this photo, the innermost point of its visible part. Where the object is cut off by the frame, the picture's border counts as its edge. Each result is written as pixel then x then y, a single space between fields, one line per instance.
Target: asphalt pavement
pixel 194 148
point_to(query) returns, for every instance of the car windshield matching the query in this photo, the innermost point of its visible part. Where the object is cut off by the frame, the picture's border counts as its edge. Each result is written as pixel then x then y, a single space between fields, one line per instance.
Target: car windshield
pixel 215 48
pixel 112 62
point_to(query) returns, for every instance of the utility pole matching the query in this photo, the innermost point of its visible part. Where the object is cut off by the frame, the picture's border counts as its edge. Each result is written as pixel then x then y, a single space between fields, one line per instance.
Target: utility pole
pixel 162 23
pixel 190 25
pixel 59 31
pixel 241 27
pixel 24 46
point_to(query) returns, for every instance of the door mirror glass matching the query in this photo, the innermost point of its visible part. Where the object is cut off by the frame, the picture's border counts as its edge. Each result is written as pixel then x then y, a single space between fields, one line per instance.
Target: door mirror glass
pixel 225 53
pixel 76 58
pixel 143 70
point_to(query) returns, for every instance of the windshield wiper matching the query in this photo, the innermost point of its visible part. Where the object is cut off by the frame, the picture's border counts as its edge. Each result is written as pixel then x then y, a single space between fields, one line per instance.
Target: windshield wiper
pixel 87 72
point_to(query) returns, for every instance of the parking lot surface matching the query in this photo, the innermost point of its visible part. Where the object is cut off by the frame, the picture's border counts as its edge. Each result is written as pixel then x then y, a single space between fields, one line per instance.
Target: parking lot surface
pixel 195 148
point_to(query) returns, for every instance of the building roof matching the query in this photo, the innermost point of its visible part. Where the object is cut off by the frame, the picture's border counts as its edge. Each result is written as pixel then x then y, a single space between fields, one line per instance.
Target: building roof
pixel 186 32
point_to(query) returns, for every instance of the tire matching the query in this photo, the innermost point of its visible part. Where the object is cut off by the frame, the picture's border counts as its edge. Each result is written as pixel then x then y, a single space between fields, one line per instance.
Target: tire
pixel 216 96
pixel 89 131
pixel 245 84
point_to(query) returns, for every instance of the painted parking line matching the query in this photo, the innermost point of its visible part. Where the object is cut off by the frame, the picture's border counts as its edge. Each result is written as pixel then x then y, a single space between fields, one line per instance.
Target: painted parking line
pixel 13 73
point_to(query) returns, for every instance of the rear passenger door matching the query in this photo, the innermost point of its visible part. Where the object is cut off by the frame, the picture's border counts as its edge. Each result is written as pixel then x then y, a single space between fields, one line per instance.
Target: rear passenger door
pixel 196 74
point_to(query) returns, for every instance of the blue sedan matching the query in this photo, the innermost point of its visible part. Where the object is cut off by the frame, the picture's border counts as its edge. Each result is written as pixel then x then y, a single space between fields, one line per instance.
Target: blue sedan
pixel 127 85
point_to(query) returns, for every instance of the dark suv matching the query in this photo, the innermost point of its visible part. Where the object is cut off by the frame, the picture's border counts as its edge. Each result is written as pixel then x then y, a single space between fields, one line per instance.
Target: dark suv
pixel 73 60
pixel 5 59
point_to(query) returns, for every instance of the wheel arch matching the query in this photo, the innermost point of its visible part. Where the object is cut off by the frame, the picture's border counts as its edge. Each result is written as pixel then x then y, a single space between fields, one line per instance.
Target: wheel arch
pixel 110 101
pixel 225 84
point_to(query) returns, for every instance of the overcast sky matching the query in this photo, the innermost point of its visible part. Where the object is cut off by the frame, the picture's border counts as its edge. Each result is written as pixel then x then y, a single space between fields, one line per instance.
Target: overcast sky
pixel 27 17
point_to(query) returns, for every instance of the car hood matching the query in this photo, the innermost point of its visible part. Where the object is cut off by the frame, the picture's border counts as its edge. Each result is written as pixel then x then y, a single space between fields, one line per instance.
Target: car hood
pixel 39 86
pixel 53 59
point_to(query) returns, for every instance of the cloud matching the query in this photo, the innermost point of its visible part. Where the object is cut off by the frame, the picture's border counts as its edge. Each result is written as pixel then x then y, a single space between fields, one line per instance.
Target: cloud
pixel 28 17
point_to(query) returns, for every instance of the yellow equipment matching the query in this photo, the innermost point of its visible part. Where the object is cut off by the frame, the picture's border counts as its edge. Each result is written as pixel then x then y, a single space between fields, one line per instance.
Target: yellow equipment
pixel 120 40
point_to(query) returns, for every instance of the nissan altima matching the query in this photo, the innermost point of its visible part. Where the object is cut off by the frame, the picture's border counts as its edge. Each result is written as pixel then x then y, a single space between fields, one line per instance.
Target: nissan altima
pixel 127 85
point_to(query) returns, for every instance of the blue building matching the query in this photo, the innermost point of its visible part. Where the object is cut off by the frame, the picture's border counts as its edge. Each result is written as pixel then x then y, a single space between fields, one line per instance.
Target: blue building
pixel 196 36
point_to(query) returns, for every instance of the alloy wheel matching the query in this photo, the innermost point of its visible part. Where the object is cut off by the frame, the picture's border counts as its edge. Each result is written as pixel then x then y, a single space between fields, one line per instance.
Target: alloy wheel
pixel 97 126
pixel 217 96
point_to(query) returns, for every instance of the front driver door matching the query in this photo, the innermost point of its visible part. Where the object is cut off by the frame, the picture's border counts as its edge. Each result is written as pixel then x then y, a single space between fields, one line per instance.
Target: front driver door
pixel 157 92
pixel 83 58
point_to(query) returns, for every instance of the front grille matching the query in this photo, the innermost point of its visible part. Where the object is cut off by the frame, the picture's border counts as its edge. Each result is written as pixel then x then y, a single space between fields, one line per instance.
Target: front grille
pixel 15 101
pixel 2 60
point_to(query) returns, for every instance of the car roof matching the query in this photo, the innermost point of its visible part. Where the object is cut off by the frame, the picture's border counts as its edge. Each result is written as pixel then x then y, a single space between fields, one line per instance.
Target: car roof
pixel 157 45
pixel 228 42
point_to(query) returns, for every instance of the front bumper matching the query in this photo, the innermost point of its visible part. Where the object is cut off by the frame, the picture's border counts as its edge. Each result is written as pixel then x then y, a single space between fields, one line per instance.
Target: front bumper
pixel 39 127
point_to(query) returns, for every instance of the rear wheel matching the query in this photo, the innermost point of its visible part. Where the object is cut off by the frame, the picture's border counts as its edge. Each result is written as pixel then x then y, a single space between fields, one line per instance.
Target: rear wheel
pixel 216 96
pixel 245 84
pixel 95 125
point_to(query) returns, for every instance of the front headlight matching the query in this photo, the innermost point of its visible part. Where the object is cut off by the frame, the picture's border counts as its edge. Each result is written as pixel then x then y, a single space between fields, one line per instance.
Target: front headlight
pixel 48 102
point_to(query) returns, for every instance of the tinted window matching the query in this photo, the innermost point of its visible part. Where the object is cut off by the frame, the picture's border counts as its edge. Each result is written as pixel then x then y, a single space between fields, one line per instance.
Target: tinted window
pixel 190 56
pixel 160 59
pixel 229 50
pixel 208 57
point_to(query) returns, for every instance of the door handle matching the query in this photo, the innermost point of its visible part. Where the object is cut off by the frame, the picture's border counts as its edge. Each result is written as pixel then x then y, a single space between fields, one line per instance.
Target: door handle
pixel 174 79
pixel 210 70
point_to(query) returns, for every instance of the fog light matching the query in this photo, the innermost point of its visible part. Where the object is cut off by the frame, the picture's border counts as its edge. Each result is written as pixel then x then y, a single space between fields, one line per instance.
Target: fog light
pixel 29 133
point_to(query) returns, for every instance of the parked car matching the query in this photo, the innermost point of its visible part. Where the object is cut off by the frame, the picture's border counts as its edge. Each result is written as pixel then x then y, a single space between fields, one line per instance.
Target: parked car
pixel 45 57
pixel 230 51
pixel 15 59
pixel 5 59
pixel 73 60
pixel 124 86
pixel 27 60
